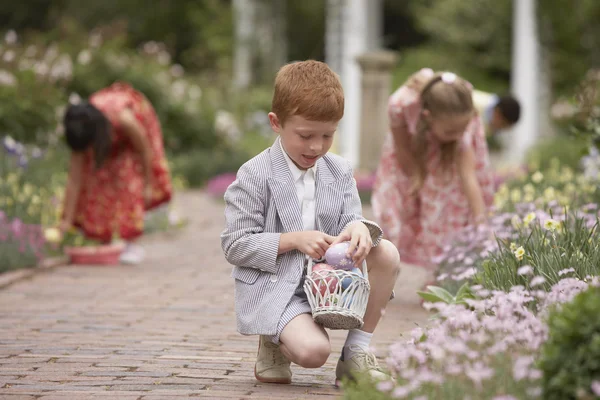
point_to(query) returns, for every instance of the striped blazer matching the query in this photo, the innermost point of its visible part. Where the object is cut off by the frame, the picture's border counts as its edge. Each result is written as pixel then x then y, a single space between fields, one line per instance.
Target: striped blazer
pixel 261 204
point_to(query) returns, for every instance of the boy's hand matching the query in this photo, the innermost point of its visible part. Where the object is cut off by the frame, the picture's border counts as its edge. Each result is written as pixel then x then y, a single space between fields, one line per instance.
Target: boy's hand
pixel 313 243
pixel 360 240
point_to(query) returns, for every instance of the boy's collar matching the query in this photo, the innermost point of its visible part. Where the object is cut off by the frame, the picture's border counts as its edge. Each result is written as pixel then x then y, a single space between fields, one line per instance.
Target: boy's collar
pixel 296 172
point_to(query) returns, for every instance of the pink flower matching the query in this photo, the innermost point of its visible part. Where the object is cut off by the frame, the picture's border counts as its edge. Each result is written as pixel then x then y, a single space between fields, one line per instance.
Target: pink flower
pixel 219 184
pixel 596 388
pixel 385 386
pixel 565 271
pixel 525 270
pixel 536 281
pixel 401 392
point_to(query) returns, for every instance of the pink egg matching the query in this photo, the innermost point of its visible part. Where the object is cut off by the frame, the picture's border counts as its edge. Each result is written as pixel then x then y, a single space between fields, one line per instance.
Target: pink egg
pixel 322 281
pixel 337 258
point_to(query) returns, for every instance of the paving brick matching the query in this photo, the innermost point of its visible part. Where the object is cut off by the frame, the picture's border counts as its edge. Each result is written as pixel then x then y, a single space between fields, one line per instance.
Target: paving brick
pixel 161 330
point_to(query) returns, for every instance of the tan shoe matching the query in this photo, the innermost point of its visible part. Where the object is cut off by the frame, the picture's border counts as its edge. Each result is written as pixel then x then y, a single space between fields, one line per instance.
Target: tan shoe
pixel 362 361
pixel 271 365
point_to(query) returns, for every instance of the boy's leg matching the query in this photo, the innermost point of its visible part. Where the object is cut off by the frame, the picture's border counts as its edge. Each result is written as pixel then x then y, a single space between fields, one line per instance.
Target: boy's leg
pixel 384 266
pixel 304 342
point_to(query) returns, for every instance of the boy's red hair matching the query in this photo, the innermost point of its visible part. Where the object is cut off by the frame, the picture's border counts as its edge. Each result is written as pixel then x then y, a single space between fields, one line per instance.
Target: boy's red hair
pixel 309 89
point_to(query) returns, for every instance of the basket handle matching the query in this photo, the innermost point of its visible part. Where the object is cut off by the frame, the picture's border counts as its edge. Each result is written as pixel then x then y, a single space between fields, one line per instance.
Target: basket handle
pixel 365 271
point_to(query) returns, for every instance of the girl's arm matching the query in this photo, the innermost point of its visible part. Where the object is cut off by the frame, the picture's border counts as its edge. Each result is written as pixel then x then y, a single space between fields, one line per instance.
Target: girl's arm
pixel 466 167
pixel 72 190
pixel 402 143
pixel 136 134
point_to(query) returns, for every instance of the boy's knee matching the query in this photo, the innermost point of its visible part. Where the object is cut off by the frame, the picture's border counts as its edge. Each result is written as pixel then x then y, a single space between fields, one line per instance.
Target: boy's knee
pixel 386 257
pixel 313 353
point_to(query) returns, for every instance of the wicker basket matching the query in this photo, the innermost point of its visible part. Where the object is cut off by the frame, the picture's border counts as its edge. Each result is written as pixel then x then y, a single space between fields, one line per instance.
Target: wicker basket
pixel 333 306
pixel 108 254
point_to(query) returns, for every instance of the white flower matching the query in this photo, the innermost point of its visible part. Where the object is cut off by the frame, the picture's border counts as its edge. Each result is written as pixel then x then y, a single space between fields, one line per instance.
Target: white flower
pixel 74 98
pixel 7 79
pixel 11 37
pixel 84 57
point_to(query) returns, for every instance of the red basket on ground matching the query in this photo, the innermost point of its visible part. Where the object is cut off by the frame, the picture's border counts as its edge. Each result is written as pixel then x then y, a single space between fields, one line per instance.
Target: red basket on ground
pixel 109 254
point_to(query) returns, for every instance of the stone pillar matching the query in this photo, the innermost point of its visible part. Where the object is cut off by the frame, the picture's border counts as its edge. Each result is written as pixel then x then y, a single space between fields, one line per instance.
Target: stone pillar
pixel 377 67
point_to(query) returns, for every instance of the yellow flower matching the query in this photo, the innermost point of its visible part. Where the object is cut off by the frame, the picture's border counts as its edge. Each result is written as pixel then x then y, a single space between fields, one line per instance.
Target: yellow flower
pixel 549 194
pixel 519 253
pixel 537 177
pixel 528 198
pixel 52 235
pixel 551 225
pixel 529 218
pixel 515 195
pixel 529 188
pixel 516 221
pixel 513 246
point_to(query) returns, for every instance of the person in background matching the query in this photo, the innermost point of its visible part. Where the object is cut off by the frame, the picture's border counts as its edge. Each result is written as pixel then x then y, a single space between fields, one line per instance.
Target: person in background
pixel 434 176
pixel 118 168
pixel 497 112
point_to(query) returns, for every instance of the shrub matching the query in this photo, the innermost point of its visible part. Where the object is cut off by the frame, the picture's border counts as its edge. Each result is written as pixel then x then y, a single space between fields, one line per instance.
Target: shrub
pixel 570 359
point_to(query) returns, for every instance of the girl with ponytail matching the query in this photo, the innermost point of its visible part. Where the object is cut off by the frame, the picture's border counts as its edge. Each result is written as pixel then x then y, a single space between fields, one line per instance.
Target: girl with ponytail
pixel 434 176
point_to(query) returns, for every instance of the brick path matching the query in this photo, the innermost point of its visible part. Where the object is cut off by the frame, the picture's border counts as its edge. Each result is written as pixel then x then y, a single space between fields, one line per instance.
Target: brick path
pixel 162 330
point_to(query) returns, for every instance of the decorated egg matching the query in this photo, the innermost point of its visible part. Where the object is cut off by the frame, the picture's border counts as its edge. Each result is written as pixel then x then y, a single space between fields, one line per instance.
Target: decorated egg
pixel 348 279
pixel 346 282
pixel 337 257
pixel 321 280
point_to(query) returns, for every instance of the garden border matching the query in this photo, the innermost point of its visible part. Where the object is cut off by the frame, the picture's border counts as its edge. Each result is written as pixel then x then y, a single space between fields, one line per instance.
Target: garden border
pixel 9 277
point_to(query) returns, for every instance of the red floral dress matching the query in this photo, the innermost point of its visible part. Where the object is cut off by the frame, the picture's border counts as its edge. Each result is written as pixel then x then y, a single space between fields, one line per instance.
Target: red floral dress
pixel 112 198
pixel 420 225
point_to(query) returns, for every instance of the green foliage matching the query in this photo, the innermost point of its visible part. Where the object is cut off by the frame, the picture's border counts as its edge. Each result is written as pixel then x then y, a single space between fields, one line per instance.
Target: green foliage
pixel 198 33
pixel 197 166
pixel 28 110
pixel 435 294
pixel 548 248
pixel 362 389
pixel 569 36
pixel 478 32
pixel 567 149
pixel 570 358
pixel 443 58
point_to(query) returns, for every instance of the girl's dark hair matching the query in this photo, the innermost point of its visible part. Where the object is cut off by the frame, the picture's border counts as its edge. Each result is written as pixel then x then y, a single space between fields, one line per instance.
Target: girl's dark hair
pixel 510 108
pixel 86 126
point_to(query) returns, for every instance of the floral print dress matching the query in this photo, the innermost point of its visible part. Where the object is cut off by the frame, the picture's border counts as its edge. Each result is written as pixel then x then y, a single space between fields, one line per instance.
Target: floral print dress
pixel 421 224
pixel 111 201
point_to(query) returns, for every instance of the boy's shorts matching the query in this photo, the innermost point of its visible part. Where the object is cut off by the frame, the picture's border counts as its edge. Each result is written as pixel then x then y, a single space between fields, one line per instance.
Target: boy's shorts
pixel 298 305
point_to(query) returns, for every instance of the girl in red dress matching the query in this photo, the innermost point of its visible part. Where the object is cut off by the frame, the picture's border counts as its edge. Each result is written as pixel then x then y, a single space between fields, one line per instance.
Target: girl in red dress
pixel 118 168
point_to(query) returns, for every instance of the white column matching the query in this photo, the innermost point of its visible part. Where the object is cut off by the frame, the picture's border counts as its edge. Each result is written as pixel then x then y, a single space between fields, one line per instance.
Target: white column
pixel 334 33
pixel 525 79
pixel 243 11
pixel 355 42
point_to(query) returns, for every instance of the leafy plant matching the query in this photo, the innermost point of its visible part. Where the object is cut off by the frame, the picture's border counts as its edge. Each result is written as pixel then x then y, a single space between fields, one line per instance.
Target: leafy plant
pixel 436 294
pixel 570 358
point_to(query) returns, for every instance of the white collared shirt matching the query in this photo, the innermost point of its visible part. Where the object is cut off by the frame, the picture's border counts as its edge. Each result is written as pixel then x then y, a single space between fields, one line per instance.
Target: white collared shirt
pixel 304 181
